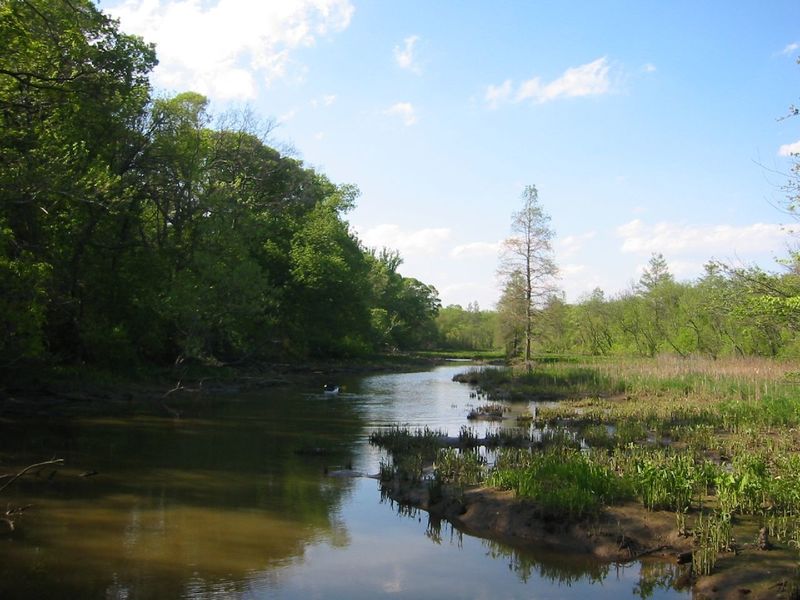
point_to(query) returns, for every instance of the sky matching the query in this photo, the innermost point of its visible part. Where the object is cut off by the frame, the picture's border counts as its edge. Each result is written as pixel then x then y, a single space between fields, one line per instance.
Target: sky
pixel 646 126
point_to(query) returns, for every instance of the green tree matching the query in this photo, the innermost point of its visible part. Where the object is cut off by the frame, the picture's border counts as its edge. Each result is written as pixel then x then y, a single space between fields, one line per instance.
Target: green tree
pixel 592 324
pixel 512 312
pixel 528 259
pixel 73 93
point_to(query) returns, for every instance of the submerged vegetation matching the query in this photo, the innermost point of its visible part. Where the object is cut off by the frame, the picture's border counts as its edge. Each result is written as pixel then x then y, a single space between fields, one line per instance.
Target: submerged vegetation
pixel 717 443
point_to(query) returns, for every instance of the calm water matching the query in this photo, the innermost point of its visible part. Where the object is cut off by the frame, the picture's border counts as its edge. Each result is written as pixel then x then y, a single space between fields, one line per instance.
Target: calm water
pixel 232 501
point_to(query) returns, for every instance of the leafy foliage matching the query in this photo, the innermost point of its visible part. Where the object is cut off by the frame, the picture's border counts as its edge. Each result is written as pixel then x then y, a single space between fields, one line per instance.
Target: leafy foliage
pixel 137 229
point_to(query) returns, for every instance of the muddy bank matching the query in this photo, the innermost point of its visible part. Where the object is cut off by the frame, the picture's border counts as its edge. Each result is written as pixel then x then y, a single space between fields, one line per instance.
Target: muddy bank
pixel 619 534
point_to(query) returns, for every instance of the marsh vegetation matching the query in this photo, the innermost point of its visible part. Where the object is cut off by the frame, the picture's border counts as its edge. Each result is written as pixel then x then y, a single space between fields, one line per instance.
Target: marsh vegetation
pixel 713 442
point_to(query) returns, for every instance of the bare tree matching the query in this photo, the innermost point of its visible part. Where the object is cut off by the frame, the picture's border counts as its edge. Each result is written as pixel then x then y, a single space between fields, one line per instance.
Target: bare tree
pixel 528 256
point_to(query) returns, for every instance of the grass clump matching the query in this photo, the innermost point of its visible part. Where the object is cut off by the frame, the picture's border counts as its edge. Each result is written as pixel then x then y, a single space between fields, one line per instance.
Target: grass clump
pixel 459 467
pixel 663 479
pixel 489 412
pixel 564 484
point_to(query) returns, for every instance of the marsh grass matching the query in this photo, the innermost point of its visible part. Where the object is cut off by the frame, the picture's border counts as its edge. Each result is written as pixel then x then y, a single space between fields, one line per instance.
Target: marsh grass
pixel 459 467
pixel 717 442
pixel 488 411
pixel 402 440
pixel 712 534
pixel 563 483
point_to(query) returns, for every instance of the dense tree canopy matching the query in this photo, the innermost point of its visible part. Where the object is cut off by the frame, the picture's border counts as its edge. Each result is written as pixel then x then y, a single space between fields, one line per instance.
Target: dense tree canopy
pixel 135 228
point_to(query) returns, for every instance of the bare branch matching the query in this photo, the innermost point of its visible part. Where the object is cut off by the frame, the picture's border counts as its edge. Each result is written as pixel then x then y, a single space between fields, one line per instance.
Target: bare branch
pixel 55 461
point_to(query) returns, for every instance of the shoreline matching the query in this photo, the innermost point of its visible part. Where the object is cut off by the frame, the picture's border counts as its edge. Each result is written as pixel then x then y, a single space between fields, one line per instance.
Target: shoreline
pixel 620 534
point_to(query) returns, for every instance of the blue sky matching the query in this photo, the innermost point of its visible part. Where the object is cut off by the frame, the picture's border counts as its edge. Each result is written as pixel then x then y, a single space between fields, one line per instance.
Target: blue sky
pixel 646 126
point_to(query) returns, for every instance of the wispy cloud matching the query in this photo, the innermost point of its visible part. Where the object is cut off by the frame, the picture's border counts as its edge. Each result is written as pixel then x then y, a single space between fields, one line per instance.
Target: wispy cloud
pixel 325 100
pixel 789 149
pixel 404 55
pixel 591 79
pixel 225 48
pixel 639 237
pixel 790 49
pixel 287 116
pixel 572 244
pixel 476 250
pixel 408 242
pixel 404 110
pixel 498 94
pixel 649 68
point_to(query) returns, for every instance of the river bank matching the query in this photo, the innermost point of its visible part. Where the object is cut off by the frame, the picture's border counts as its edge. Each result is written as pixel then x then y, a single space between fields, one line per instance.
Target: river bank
pixel 688 461
pixel 618 534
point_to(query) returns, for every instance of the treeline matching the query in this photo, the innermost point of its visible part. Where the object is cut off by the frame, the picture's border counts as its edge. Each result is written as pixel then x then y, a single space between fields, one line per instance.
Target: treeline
pixel 140 229
pixel 726 312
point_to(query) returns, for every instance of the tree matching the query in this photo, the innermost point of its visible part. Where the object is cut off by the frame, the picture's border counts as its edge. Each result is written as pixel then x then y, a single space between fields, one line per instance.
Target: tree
pixel 73 92
pixel 527 259
pixel 511 315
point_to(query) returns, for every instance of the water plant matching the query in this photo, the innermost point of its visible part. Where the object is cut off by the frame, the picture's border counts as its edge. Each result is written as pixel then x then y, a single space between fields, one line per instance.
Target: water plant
pixel 459 467
pixel 492 412
pixel 563 483
pixel 402 440
pixel 712 534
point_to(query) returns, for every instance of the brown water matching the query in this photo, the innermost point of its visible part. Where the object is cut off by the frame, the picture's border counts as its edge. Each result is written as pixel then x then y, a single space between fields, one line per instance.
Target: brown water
pixel 233 501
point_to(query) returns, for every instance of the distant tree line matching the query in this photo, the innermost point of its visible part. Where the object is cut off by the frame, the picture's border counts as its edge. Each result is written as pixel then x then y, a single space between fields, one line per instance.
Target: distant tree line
pixel 142 229
pixel 726 312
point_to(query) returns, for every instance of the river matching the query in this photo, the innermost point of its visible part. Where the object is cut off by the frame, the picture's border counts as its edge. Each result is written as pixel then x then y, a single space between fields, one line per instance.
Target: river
pixel 235 500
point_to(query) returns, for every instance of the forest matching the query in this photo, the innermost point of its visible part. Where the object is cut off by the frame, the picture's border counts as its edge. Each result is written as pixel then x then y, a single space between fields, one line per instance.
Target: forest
pixel 139 229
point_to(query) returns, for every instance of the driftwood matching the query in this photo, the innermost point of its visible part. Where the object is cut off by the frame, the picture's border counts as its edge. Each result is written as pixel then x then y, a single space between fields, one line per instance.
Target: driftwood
pixel 12 512
pixel 29 468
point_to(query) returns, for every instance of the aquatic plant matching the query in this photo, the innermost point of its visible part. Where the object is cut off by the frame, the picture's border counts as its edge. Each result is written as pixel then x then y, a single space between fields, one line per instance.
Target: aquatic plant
pixel 712 534
pixel 487 411
pixel 402 440
pixel 459 467
pixel 662 478
pixel 564 483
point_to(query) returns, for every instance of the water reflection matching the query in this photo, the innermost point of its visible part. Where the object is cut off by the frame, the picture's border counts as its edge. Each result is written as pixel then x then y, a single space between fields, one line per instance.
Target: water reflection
pixel 200 503
pixel 233 501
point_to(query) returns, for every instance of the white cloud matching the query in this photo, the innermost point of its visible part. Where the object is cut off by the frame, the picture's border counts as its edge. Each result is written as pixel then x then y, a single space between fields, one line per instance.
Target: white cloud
pixel 497 94
pixel 463 293
pixel 591 79
pixel 404 55
pixel 789 149
pixel 325 100
pixel 287 116
pixel 476 250
pixel 404 110
pixel 649 68
pixel 639 237
pixel 224 48
pixel 570 270
pixel 790 49
pixel 409 243
pixel 572 244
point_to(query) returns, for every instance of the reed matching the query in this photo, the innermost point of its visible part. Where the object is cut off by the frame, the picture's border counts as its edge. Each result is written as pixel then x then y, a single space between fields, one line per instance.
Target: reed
pixel 712 534
pixel 459 467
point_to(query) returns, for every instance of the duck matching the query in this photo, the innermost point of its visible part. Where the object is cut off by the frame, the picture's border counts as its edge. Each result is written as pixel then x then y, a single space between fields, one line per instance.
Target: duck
pixel 330 389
